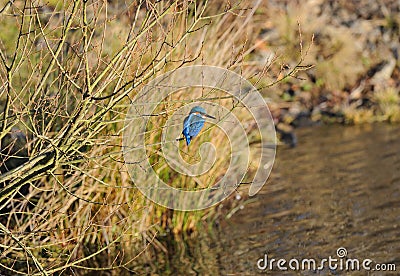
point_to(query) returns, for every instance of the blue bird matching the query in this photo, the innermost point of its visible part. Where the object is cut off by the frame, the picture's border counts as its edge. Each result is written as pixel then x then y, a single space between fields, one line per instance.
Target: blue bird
pixel 193 123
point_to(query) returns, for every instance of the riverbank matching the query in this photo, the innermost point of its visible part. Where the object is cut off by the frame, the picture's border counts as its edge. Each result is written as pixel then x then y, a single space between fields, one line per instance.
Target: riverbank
pixel 67 88
pixel 355 56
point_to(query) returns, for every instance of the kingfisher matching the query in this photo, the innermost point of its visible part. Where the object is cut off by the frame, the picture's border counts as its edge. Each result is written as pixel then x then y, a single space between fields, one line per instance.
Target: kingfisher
pixel 194 122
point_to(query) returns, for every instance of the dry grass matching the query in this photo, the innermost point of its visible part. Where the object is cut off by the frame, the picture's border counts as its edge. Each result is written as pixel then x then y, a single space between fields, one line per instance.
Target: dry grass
pixel 354 115
pixel 388 101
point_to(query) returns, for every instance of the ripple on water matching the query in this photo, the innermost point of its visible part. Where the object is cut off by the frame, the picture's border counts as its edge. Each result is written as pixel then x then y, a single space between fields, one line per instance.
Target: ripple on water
pixel 339 188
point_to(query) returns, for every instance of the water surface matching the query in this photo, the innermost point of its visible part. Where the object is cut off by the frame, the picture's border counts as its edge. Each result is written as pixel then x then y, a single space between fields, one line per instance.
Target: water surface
pixel 340 187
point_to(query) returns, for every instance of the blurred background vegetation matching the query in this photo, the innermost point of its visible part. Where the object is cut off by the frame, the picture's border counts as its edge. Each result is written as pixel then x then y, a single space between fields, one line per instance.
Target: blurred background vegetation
pixel 69 70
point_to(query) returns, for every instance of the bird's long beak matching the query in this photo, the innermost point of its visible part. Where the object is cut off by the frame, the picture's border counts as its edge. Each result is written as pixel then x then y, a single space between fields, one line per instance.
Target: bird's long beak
pixel 209 116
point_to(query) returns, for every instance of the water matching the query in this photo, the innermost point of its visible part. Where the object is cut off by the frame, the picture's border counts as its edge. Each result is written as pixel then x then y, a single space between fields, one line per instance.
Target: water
pixel 339 188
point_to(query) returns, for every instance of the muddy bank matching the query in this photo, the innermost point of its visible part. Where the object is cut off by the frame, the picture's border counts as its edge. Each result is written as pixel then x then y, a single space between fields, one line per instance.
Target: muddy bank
pixel 354 48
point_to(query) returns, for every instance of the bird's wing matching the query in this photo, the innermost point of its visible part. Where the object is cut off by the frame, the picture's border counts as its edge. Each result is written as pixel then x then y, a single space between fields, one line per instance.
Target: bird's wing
pixel 186 125
pixel 195 126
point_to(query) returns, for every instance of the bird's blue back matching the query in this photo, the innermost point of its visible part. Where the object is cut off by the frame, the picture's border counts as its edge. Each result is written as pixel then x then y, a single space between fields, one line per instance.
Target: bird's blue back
pixel 192 125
